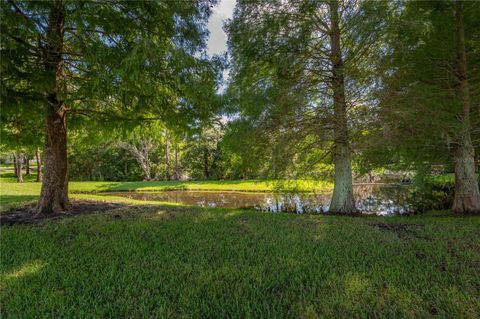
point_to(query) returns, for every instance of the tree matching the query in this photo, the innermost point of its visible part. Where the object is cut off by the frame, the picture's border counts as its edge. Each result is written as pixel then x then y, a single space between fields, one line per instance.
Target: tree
pixel 17 162
pixel 467 193
pixel 20 133
pixel 202 153
pixel 110 61
pixel 38 158
pixel 425 109
pixel 142 142
pixel 299 71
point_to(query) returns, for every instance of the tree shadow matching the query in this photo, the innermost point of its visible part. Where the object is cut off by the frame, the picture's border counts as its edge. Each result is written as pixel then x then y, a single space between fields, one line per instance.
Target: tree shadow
pixel 13 201
pixel 232 263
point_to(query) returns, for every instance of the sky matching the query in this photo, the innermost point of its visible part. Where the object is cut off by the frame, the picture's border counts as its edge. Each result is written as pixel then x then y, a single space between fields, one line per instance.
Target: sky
pixel 217 42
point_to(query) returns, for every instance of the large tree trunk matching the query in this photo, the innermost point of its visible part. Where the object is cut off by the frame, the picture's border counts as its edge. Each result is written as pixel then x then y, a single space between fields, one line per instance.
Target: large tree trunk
pixel 467 194
pixel 39 166
pixel 18 168
pixel 54 193
pixel 342 199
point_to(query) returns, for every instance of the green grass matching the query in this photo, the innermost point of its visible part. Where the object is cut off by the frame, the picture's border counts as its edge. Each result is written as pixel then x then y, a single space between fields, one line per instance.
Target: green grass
pixel 14 194
pixel 6 176
pixel 163 262
pixel 442 181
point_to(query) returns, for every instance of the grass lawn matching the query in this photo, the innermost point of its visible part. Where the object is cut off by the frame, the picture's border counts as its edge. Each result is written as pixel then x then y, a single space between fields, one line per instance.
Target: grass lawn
pixel 14 194
pixel 147 261
pixel 150 261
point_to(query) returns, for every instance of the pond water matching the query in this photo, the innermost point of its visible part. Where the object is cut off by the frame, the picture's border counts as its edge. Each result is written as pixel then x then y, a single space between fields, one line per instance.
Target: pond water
pixel 378 199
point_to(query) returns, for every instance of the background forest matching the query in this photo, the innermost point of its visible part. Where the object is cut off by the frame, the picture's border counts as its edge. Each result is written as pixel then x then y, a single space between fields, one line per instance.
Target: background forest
pixel 338 91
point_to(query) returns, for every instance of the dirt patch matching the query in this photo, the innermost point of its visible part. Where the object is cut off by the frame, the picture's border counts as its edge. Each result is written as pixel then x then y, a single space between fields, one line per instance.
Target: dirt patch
pixel 25 215
pixel 403 231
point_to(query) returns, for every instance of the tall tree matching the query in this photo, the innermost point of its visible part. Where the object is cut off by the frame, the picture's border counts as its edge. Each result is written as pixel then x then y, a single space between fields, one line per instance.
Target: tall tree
pixel 127 60
pixel 299 72
pixel 467 193
pixel 428 65
pixel 342 199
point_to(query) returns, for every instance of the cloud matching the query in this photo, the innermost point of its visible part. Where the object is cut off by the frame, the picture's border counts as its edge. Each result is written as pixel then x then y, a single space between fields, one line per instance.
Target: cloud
pixel 217 41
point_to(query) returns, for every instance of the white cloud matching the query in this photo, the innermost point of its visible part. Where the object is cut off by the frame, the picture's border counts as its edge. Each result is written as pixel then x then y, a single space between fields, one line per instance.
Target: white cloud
pixel 217 41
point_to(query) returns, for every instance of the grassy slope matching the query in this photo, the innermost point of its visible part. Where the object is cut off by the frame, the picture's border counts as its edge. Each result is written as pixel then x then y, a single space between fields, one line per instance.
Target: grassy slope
pixel 209 263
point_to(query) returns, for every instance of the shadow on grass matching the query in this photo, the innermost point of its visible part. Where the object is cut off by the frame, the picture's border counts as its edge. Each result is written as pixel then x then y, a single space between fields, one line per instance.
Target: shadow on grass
pixel 195 262
pixel 15 201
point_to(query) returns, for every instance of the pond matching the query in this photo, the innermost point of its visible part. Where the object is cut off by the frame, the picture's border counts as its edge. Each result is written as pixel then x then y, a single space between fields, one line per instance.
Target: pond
pixel 378 199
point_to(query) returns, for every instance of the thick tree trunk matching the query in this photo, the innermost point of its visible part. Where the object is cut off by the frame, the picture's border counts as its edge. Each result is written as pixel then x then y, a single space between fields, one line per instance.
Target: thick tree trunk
pixel 39 166
pixel 54 193
pixel 19 168
pixel 476 162
pixel 342 199
pixel 467 194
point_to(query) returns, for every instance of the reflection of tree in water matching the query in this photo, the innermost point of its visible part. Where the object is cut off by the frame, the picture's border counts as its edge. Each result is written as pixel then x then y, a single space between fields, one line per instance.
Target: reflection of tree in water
pixel 384 199
pixel 370 199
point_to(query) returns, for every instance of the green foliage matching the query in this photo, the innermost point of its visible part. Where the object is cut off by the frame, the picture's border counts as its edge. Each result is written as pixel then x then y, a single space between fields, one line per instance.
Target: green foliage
pixel 202 154
pixel 165 261
pixel 102 163
pixel 124 61
pixel 418 123
pixel 281 77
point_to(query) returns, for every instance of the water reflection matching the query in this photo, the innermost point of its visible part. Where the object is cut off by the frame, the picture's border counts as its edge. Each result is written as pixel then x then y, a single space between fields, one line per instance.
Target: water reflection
pixel 378 199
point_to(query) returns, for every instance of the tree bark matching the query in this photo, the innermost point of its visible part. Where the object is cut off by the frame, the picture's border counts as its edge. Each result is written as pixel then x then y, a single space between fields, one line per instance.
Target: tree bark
pixel 206 171
pixel 467 193
pixel 54 193
pixel 15 171
pixel 19 168
pixel 39 166
pixel 167 158
pixel 27 165
pixel 141 151
pixel 176 172
pixel 342 199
